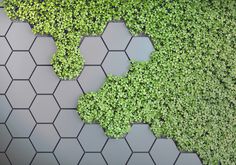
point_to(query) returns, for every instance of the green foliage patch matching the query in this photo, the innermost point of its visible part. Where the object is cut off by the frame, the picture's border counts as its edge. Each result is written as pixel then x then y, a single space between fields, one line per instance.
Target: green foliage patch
pixel 187 91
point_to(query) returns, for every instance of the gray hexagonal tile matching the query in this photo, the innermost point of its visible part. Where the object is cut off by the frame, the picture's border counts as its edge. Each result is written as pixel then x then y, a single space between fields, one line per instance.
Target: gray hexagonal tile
pixel 44 80
pixel 67 94
pixel 4 160
pixel 43 49
pixel 140 138
pixel 18 31
pixel 5 137
pixel 140 159
pixel 93 50
pixel 20 94
pixel 116 36
pixel 44 159
pixel 116 151
pixel 92 138
pixel 15 154
pixel 116 63
pixel 92 159
pixel 20 123
pixel 188 158
pixel 5 22
pixel 5 79
pixel 164 151
pixel 20 65
pixel 140 48
pixel 68 123
pixel 68 151
pixel 44 108
pixel 44 138
pixel 5 49
pixel 5 108
pixel 91 78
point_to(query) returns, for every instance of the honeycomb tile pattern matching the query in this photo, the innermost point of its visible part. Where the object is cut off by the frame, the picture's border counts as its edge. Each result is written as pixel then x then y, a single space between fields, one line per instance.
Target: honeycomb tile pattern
pixel 38 111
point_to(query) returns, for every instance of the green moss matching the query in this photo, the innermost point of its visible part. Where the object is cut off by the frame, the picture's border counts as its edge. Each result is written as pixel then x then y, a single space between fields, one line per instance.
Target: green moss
pixel 187 91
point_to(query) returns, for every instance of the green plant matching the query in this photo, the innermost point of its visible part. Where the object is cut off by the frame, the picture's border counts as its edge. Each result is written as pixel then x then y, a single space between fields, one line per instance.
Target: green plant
pixel 187 91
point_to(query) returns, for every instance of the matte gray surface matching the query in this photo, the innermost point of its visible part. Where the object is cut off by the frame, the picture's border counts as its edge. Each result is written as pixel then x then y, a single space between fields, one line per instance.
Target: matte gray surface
pixel 44 108
pixel 5 108
pixel 5 50
pixel 20 65
pixel 88 140
pixel 68 152
pixel 5 22
pixel 93 50
pixel 44 159
pixel 44 137
pixel 4 160
pixel 140 159
pixel 5 79
pixel 20 123
pixel 43 49
pixel 116 63
pixel 5 137
pixel 92 159
pixel 188 158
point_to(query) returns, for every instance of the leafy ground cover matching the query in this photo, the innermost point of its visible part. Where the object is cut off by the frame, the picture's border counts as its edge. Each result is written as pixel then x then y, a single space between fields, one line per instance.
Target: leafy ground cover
pixel 187 91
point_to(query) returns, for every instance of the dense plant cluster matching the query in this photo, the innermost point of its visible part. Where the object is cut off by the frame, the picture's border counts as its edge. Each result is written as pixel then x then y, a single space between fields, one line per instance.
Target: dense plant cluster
pixel 187 91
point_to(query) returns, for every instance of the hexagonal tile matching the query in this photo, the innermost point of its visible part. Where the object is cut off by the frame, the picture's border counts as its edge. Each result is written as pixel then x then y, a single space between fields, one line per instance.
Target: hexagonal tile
pixel 140 159
pixel 92 159
pixel 116 36
pixel 20 123
pixel 44 158
pixel 16 147
pixel 44 108
pixel 44 138
pixel 20 65
pixel 91 78
pixel 5 137
pixel 44 80
pixel 164 151
pixel 5 22
pixel 92 138
pixel 43 49
pixel 68 151
pixel 140 138
pixel 140 48
pixel 116 151
pixel 20 94
pixel 116 63
pixel 68 123
pixel 93 50
pixel 18 31
pixel 67 94
pixel 188 158
pixel 4 160
pixel 5 79
pixel 5 108
pixel 5 50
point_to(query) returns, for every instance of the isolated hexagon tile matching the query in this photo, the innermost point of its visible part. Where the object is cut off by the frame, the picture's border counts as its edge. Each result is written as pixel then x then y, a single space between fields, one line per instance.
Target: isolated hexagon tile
pixel 5 137
pixel 20 36
pixel 188 158
pixel 44 108
pixel 5 50
pixel 43 49
pixel 91 78
pixel 20 65
pixel 20 152
pixel 44 137
pixel 141 159
pixel 68 123
pixel 5 108
pixel 20 123
pixel 87 140
pixel 140 138
pixel 92 159
pixel 4 160
pixel 140 48
pixel 44 159
pixel 93 50
pixel 68 151
pixel 164 151
pixel 116 151
pixel 5 79
pixel 5 22
pixel 116 36
pixel 44 80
